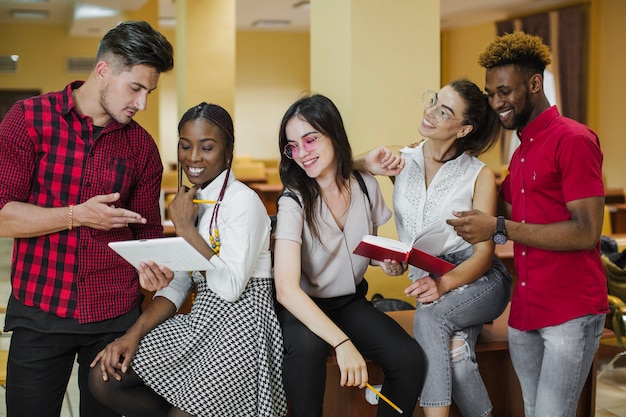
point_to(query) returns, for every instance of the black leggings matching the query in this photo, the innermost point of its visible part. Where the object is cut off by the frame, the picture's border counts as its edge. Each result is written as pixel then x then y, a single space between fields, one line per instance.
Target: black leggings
pixel 377 337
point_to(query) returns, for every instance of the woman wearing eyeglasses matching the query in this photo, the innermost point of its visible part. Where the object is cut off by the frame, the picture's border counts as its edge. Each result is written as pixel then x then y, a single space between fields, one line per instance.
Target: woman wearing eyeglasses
pixel 443 174
pixel 322 215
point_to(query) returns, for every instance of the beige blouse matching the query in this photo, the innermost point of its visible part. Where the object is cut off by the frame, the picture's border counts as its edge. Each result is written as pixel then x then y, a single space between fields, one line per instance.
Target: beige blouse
pixel 329 268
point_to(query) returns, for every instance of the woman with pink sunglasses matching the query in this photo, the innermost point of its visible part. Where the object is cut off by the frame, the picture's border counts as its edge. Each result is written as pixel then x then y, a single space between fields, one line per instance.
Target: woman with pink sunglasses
pixel 324 212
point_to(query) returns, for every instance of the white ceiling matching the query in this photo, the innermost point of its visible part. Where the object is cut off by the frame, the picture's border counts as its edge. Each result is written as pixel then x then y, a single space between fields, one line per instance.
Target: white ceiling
pixel 454 13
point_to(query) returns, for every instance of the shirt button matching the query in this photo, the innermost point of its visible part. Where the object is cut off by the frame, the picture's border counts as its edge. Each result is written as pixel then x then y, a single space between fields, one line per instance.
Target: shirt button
pixel 523 284
pixel 523 159
pixel 523 191
pixel 523 253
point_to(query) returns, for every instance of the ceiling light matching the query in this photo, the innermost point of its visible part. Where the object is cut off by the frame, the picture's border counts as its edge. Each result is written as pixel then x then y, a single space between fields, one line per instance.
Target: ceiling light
pixel 92 12
pixel 29 14
pixel 271 23
pixel 14 58
pixel 167 21
pixel 304 5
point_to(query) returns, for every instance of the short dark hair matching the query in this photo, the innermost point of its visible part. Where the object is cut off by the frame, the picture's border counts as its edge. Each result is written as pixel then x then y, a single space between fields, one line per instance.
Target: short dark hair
pixel 528 52
pixel 135 42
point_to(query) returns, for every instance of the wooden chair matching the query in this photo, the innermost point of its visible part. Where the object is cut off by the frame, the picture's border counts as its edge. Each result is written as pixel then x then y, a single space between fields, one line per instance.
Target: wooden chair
pixel 616 319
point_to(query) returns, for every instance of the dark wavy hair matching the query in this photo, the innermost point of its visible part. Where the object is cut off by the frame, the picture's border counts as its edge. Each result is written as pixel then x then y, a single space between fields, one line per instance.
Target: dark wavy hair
pixel 321 113
pixel 135 42
pixel 486 126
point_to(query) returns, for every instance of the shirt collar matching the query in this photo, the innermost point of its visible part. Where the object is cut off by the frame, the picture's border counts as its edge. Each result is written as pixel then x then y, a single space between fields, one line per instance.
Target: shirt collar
pixel 212 191
pixel 539 123
pixel 68 104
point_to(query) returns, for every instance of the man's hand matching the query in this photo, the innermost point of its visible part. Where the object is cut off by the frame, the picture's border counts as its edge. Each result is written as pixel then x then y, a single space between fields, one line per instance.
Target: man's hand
pixel 473 226
pixel 100 212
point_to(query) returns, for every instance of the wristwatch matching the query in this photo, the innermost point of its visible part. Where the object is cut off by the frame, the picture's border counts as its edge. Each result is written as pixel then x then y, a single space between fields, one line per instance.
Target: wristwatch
pixel 499 237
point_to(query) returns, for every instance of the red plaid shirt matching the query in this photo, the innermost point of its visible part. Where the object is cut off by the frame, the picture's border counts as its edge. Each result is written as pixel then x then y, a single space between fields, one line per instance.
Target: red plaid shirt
pixel 49 158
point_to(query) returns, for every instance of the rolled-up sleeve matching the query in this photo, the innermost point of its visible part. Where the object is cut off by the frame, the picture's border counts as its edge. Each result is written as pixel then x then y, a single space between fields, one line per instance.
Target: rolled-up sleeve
pixel 177 290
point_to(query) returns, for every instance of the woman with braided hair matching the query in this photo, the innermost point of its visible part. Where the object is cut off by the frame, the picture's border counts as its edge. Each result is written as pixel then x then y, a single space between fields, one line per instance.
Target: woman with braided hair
pixel 225 357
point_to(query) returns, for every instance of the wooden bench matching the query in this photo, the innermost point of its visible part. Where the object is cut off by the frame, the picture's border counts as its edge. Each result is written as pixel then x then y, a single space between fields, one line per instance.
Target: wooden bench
pixel 495 367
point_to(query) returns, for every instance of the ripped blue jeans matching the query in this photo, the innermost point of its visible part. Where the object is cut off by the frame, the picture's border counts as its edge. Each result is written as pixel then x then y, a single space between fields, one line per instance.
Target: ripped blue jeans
pixel 459 314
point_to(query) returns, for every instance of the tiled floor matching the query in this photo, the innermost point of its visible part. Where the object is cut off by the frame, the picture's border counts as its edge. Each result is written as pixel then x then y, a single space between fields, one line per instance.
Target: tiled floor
pixel 611 387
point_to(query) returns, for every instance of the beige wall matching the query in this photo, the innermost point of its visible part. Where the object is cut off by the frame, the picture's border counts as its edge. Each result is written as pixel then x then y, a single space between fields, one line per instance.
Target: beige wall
pixel 607 88
pixel 272 72
pixel 459 58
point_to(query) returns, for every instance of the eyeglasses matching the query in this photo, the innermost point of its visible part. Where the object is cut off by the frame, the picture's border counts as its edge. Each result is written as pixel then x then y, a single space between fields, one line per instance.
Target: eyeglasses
pixel 309 143
pixel 429 100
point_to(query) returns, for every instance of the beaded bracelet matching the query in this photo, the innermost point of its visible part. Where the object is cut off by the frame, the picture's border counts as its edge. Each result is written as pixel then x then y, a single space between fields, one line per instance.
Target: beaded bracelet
pixel 341 343
pixel 70 217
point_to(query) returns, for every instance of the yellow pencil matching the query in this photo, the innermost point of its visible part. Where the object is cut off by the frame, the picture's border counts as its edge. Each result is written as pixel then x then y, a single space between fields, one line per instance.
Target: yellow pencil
pixel 385 399
pixel 204 201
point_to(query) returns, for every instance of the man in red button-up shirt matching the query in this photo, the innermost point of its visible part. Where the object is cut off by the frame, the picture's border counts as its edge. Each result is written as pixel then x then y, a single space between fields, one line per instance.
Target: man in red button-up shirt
pixel 77 172
pixel 554 197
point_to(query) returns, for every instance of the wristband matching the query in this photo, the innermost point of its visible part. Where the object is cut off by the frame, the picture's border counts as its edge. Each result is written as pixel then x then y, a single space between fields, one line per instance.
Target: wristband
pixel 341 343
pixel 70 217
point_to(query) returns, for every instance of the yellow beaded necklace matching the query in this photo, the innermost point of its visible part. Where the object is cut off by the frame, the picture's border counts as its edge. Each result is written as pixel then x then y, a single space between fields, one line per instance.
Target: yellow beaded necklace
pixel 214 238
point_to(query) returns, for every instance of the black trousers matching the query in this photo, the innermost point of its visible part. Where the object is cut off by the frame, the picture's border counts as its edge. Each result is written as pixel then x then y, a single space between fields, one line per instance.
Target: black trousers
pixel 377 337
pixel 39 369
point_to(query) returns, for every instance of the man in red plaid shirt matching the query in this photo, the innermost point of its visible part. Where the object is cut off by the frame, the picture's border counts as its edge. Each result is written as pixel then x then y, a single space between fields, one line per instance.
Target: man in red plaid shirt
pixel 77 172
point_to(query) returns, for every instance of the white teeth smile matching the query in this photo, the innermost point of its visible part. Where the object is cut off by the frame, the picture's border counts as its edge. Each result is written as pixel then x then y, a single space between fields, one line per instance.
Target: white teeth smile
pixel 309 162
pixel 506 113
pixel 195 171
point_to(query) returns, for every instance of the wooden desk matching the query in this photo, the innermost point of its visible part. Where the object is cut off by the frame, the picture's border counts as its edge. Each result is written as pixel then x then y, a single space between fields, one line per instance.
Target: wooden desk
pixel 169 230
pixel 614 196
pixel 495 367
pixel 505 251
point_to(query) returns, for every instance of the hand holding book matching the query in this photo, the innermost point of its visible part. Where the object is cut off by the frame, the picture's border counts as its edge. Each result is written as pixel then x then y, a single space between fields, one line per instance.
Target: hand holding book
pixel 381 248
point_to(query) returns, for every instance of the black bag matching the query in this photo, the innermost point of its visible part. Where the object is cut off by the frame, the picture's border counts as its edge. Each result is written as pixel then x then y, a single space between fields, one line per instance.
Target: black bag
pixel 390 304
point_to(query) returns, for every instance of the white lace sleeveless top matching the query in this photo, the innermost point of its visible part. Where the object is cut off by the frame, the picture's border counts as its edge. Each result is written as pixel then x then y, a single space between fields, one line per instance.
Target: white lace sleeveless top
pixel 421 213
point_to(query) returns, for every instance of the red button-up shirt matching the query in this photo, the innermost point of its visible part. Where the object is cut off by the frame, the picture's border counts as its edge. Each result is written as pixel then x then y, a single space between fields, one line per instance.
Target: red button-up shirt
pixel 559 160
pixel 49 158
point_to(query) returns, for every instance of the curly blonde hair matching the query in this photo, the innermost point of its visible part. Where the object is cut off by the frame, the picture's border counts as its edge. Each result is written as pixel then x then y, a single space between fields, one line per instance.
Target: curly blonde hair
pixel 518 48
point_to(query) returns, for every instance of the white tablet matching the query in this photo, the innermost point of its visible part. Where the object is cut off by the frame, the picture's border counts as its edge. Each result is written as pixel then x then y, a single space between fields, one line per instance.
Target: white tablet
pixel 174 252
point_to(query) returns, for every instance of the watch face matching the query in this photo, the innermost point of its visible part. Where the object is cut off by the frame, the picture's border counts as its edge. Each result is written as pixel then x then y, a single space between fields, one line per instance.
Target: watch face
pixel 499 238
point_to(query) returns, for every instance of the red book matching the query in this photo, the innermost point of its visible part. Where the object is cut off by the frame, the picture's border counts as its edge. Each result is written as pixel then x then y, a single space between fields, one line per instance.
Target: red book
pixel 381 248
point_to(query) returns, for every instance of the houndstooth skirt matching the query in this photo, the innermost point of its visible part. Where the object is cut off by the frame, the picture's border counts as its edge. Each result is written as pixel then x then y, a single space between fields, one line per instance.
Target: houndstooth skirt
pixel 222 359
